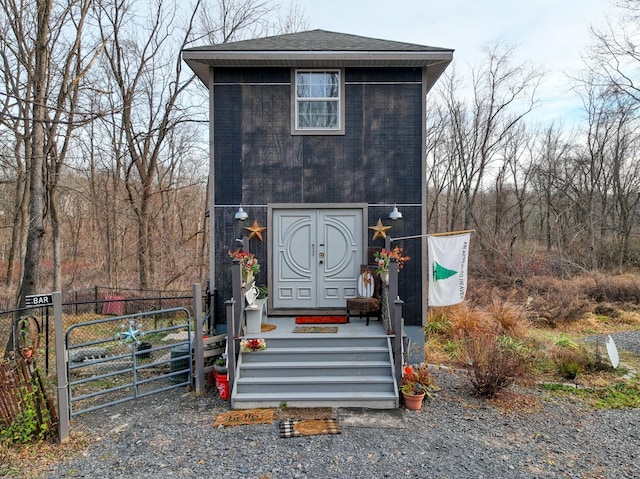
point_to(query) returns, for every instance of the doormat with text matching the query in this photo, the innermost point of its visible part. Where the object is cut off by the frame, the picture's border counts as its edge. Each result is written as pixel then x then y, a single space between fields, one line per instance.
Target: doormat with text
pixel 309 427
pixel 246 416
pixel 321 320
pixel 315 329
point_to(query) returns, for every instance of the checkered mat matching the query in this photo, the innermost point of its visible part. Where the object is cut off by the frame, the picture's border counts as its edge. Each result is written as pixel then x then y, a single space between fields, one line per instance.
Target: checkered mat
pixel 309 427
pixel 246 416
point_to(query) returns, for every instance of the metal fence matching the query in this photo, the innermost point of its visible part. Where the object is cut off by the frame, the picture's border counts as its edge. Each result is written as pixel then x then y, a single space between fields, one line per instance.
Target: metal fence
pixel 85 306
pixel 116 359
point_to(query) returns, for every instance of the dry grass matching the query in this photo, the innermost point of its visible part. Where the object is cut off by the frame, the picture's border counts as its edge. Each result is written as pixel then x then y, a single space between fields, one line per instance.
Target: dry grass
pixel 26 462
pixel 536 313
pixel 510 317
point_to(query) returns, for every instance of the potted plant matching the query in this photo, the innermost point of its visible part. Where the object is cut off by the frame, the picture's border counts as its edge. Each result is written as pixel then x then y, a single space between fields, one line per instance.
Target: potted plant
pixel 220 365
pixel 262 291
pixel 249 265
pixel 28 337
pixel 383 258
pixel 416 384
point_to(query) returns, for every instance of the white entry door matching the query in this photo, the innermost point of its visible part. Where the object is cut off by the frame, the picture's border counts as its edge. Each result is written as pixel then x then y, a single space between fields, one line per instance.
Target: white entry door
pixel 317 255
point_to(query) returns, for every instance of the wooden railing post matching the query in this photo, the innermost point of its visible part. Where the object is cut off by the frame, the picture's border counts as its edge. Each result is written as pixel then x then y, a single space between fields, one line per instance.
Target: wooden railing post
pixel 231 343
pixel 236 286
pixel 396 319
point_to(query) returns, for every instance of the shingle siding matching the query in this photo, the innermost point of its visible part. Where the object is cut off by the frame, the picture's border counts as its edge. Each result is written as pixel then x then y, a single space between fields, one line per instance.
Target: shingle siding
pixel 377 160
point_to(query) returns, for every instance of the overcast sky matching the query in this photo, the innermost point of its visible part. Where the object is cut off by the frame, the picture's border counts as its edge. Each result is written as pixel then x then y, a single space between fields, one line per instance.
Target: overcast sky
pixel 548 33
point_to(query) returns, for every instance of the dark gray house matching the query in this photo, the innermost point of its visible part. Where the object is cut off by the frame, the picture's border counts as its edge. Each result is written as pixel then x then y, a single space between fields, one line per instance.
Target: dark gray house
pixel 316 136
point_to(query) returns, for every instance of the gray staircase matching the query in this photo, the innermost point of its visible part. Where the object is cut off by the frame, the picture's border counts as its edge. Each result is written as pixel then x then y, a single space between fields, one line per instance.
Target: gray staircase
pixel 317 370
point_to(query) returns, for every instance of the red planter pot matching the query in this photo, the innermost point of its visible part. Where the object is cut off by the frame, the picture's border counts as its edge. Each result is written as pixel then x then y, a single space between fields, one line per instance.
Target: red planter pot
pixel 413 401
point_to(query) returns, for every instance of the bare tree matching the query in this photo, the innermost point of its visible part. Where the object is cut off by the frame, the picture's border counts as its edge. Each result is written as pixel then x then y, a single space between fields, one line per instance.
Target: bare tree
pixel 501 96
pixel 144 73
pixel 614 57
pixel 44 66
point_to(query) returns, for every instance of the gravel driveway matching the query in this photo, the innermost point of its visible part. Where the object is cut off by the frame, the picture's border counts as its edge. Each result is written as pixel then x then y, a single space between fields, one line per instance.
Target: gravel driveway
pixel 454 436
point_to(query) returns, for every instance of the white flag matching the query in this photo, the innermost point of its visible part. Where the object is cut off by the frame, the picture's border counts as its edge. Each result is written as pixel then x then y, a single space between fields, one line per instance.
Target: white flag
pixel 448 259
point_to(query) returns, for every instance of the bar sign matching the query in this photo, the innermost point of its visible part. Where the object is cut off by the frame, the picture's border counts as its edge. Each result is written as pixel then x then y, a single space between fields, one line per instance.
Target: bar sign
pixel 39 300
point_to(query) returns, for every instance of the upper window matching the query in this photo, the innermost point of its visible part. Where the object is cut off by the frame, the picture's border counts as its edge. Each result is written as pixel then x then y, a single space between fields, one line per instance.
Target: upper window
pixel 318 101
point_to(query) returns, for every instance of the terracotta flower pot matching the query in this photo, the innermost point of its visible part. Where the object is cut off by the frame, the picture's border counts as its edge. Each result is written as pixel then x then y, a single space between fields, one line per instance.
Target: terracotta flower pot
pixel 413 401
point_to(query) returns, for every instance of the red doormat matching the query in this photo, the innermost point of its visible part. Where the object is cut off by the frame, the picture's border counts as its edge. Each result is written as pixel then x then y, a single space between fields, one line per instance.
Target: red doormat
pixel 321 320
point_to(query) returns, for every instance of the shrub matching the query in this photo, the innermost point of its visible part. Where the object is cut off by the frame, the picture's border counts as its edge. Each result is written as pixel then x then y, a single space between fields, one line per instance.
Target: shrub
pixel 617 289
pixel 555 302
pixel 30 424
pixel 496 361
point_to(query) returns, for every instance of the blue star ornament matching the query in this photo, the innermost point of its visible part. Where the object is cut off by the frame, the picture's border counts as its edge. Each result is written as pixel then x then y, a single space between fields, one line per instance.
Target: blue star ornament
pixel 131 334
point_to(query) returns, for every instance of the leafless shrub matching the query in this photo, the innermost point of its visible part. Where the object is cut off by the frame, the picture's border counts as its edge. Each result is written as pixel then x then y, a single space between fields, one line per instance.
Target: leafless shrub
pixel 495 361
pixel 617 289
pixel 555 302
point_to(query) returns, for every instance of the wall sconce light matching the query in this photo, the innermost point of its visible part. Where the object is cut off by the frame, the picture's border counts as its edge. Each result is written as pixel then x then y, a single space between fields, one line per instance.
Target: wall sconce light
pixel 395 214
pixel 241 215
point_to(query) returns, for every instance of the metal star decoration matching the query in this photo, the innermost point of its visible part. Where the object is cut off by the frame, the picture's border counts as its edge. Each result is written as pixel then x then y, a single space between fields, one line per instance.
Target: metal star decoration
pixel 380 231
pixel 255 230
pixel 130 336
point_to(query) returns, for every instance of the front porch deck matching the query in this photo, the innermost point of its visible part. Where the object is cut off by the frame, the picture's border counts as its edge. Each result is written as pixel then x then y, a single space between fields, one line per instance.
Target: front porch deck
pixel 356 328
pixel 352 367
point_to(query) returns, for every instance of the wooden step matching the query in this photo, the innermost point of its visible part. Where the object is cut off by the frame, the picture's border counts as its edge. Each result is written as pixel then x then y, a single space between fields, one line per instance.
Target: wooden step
pixel 382 383
pixel 305 399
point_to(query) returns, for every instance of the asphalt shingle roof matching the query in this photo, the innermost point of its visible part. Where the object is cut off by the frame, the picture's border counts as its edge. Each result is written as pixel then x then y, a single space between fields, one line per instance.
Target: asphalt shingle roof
pixel 318 40
pixel 318 49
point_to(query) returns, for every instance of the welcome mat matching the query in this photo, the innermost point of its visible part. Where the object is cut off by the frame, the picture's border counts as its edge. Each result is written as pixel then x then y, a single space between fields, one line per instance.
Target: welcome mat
pixel 245 417
pixel 315 329
pixel 321 320
pixel 309 427
pixel 266 327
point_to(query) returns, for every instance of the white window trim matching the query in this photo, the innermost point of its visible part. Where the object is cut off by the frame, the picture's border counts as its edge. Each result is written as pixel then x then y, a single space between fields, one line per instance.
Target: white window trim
pixel 294 104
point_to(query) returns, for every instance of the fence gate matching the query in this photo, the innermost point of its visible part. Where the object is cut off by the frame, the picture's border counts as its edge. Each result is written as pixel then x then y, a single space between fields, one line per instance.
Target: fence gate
pixel 117 359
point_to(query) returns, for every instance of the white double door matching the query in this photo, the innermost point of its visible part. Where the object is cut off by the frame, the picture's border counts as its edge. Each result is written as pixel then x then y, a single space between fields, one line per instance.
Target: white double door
pixel 316 257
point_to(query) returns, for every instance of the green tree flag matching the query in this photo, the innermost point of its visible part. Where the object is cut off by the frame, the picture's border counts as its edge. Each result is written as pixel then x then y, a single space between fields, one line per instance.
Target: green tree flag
pixel 448 259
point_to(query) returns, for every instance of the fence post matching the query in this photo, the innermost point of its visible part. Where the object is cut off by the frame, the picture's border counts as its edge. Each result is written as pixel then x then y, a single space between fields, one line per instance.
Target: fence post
pixel 61 369
pixel 198 345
